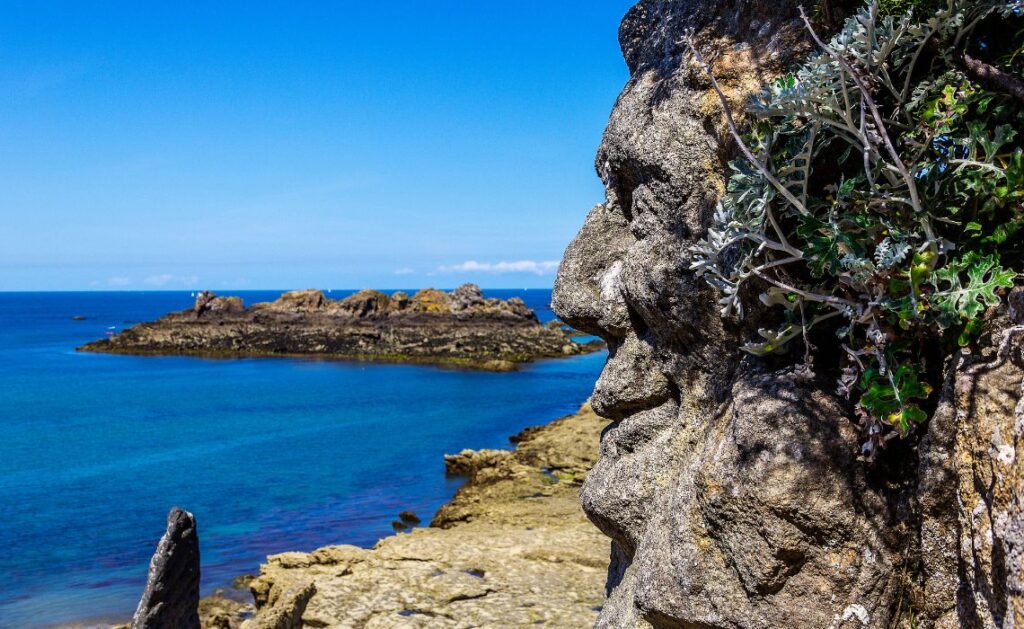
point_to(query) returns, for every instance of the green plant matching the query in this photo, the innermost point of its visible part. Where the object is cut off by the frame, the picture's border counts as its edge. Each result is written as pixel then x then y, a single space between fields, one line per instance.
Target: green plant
pixel 880 196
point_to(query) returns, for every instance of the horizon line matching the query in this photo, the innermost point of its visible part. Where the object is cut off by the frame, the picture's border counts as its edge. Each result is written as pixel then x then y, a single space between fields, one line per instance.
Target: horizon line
pixel 197 290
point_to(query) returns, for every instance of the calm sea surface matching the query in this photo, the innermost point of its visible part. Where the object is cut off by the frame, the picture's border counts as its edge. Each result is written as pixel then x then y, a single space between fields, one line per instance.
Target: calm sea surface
pixel 269 454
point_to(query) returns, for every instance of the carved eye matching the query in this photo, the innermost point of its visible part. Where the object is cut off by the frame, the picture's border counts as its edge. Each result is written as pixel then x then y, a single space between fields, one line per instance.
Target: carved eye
pixel 621 181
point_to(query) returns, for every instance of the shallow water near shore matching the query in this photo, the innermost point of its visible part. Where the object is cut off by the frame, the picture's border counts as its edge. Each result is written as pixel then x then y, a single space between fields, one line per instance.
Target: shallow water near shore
pixel 270 454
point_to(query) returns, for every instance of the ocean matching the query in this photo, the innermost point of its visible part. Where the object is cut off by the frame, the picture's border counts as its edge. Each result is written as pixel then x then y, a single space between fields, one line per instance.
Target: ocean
pixel 270 454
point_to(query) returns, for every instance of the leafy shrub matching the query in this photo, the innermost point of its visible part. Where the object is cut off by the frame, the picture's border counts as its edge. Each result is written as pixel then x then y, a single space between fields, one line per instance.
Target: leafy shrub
pixel 880 197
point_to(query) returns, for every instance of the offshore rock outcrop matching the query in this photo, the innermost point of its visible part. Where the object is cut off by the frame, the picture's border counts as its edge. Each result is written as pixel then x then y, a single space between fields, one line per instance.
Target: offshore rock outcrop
pixel 459 328
pixel 730 488
pixel 511 549
pixel 171 597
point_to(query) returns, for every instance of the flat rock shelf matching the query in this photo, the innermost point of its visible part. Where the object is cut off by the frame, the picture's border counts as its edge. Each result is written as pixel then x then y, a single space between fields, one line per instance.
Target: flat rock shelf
pixel 460 328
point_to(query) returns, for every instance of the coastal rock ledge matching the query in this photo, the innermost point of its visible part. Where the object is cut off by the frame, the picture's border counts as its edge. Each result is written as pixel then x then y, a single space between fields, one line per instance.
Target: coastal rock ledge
pixel 511 549
pixel 460 328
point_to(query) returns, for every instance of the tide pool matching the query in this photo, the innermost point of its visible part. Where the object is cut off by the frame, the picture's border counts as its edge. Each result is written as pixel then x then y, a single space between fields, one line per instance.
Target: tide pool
pixel 270 454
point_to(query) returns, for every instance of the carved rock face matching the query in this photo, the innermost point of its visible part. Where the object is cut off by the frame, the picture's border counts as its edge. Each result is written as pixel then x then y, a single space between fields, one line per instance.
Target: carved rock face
pixel 732 495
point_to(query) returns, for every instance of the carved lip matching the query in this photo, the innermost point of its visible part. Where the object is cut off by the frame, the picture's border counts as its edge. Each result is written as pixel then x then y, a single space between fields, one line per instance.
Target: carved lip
pixel 639 428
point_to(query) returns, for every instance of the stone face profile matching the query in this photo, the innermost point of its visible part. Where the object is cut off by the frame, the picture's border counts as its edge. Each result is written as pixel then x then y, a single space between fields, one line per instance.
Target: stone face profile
pixel 731 489
pixel 171 597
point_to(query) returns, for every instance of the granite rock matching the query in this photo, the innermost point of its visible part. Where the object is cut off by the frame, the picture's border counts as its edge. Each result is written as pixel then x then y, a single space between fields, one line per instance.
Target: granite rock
pixel 730 487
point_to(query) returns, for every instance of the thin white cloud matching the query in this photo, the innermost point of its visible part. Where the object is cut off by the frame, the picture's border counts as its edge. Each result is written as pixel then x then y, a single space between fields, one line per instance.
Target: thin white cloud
pixel 537 267
pixel 404 271
pixel 166 279
pixel 118 281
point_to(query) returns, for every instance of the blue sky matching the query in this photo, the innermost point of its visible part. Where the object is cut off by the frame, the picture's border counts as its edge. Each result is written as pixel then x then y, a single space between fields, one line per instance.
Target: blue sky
pixel 168 145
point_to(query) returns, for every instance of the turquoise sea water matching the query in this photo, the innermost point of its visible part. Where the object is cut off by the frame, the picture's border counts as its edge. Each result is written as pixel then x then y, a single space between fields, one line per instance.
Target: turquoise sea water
pixel 269 454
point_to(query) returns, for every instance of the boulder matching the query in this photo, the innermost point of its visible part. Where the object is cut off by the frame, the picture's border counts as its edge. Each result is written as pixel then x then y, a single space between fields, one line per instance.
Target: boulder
pixel 285 612
pixel 409 518
pixel 209 302
pixel 202 299
pixel 431 300
pixel 226 305
pixel 518 307
pixel 400 300
pixel 171 597
pixel 365 302
pixel 309 300
pixel 466 297
pixel 467 462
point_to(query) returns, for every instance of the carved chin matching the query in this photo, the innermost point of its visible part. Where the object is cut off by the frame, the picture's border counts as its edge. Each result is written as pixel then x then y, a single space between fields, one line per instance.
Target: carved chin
pixel 618 494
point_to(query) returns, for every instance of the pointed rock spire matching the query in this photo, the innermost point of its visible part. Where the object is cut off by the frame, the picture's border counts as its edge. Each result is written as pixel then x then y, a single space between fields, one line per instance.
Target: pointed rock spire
pixel 171 598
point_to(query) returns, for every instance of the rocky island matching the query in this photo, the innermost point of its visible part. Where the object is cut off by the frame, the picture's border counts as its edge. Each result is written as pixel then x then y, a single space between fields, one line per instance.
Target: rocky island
pixel 460 328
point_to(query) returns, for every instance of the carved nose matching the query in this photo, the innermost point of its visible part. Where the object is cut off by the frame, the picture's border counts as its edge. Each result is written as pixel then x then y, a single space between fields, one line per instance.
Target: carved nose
pixel 588 294
pixel 630 381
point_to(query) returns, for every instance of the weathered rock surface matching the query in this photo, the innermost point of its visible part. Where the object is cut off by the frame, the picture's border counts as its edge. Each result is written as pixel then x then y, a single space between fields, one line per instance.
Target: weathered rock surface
pixel 220 611
pixel 971 491
pixel 512 549
pixel 460 328
pixel 171 597
pixel 730 489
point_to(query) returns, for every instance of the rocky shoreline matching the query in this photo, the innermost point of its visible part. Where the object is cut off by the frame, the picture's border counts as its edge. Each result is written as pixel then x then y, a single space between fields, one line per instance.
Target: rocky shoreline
pixel 460 328
pixel 511 549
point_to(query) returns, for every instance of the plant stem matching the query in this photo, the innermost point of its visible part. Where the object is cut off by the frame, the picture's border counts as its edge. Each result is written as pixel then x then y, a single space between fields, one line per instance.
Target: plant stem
pixel 994 77
pixel 977 164
pixel 739 139
pixel 832 300
pixel 880 124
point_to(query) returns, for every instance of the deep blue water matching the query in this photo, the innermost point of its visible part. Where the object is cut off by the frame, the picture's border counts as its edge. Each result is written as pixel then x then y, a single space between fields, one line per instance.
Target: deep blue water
pixel 269 454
